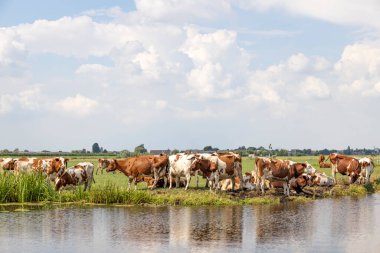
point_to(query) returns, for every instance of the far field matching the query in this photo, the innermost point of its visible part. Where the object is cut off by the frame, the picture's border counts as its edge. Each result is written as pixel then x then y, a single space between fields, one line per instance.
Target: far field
pixel 248 165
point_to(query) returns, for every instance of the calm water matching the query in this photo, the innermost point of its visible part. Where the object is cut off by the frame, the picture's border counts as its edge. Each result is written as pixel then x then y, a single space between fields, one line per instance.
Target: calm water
pixel 340 225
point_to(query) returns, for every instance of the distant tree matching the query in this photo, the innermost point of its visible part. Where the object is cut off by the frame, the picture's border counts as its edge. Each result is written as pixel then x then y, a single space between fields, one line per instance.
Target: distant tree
pixel 140 149
pixel 16 150
pixel 210 148
pixel 105 151
pixel 84 151
pixel 95 148
pixel 124 154
pixel 174 151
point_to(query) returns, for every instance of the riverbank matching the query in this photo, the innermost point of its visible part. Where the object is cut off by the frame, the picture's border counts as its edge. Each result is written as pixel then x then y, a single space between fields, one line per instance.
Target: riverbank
pixel 35 189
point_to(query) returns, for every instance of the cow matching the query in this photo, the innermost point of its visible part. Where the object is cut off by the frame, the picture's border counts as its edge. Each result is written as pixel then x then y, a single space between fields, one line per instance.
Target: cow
pixel 23 165
pixel 56 167
pixel 139 166
pixel 208 169
pixel 42 164
pixel 160 183
pixel 295 184
pixel 100 162
pixel 322 163
pixel 248 179
pixel 345 165
pixel 277 170
pixel 180 166
pixel 82 173
pixel 320 179
pixel 228 165
pixel 7 164
pixel 367 168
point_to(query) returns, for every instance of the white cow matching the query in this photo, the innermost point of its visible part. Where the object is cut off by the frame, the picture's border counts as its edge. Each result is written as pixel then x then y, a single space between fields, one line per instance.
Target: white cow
pixel 367 168
pixel 23 165
pixel 180 166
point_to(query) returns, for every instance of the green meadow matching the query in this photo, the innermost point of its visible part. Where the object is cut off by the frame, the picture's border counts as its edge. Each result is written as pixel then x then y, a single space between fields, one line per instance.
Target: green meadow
pixel 112 188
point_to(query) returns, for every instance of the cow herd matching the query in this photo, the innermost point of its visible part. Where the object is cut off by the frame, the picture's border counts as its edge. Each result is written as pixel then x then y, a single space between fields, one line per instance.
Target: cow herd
pixel 223 171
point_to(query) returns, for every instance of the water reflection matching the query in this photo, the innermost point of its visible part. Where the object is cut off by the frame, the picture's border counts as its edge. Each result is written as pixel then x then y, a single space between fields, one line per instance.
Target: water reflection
pixel 340 225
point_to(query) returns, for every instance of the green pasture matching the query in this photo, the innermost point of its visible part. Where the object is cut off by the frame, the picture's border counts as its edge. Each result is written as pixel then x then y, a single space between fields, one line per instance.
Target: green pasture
pixel 120 179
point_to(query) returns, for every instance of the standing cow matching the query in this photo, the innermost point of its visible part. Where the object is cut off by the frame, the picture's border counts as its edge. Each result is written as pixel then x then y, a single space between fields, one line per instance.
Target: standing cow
pixel 133 167
pixel 345 165
pixel 180 165
pixel 82 173
pixel 367 168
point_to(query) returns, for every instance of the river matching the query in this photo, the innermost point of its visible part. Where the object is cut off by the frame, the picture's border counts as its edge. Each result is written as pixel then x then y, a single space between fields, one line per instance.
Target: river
pixel 328 225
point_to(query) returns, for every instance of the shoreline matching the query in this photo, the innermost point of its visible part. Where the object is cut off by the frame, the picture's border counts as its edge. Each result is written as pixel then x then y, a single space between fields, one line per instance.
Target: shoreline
pixel 109 196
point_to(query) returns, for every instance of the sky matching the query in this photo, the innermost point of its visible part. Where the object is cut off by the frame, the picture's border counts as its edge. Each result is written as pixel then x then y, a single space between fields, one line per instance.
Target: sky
pixel 189 73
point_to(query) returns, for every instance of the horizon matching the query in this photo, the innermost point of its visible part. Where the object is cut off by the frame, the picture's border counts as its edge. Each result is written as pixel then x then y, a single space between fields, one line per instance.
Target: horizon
pixel 189 74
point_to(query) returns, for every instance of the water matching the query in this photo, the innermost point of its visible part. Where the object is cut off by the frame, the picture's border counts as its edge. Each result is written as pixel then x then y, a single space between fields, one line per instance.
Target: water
pixel 329 225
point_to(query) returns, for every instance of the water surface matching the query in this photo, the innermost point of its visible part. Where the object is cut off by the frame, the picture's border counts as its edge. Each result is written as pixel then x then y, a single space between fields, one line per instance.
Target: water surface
pixel 329 225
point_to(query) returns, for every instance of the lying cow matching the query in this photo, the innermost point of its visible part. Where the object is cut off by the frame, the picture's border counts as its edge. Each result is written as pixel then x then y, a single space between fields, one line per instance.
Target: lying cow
pixel 82 173
pixel 23 165
pixel 320 179
pixel 161 182
pixel 7 164
pixel 248 179
pixel 295 184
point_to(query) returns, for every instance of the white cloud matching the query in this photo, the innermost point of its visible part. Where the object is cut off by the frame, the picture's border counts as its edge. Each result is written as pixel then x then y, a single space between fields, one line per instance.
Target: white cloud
pixel 78 105
pixel 297 62
pixel 314 87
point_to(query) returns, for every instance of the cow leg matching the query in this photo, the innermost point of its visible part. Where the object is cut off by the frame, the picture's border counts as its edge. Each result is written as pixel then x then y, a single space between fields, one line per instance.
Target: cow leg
pixel 217 185
pixel 286 189
pixel 188 178
pixel 197 178
pixel 155 174
pixel 130 182
pixel 333 173
pixel 177 181
pixel 165 181
pixel 170 180
pixel 233 183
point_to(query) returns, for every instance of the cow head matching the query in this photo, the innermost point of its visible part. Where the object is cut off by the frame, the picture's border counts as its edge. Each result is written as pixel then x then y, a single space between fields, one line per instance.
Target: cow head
pixel 57 165
pixel 109 164
pixel 310 170
pixel 9 165
pixel 60 181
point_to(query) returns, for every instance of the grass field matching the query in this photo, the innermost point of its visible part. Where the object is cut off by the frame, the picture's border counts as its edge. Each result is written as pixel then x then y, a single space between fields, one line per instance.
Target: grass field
pixel 111 188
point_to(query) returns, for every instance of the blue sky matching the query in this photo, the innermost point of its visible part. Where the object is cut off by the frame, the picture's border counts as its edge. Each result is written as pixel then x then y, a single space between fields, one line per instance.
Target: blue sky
pixel 186 74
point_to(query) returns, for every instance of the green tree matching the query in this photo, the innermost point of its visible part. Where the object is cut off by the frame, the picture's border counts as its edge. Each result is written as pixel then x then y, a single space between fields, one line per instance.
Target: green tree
pixel 174 151
pixel 95 148
pixel 140 149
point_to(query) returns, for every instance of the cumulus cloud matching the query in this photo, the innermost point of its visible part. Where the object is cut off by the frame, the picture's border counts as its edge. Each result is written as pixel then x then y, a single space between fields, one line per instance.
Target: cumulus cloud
pixel 358 68
pixel 77 105
pixel 314 87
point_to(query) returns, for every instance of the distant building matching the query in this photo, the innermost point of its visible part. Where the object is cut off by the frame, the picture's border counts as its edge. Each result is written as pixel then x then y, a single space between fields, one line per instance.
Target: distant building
pixel 158 151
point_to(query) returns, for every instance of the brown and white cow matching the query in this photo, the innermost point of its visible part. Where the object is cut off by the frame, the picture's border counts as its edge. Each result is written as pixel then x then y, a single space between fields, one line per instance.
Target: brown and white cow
pixel 56 167
pixel 295 184
pixel 207 168
pixel 133 167
pixel 277 170
pixel 82 173
pixel 367 168
pixel 320 179
pixel 7 164
pixel 322 163
pixel 228 165
pixel 248 179
pixel 161 182
pixel 345 165
pixel 42 164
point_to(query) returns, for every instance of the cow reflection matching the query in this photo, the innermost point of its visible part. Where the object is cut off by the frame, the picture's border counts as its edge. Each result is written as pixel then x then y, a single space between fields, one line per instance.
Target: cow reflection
pixel 283 222
pixel 214 224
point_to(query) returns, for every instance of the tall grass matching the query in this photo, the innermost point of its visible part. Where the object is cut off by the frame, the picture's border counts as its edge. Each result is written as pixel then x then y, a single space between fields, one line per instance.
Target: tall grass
pixel 25 188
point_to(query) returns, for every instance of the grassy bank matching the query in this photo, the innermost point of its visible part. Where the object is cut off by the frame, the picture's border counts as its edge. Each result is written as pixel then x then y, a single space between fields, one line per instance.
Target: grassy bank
pixel 34 188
